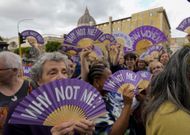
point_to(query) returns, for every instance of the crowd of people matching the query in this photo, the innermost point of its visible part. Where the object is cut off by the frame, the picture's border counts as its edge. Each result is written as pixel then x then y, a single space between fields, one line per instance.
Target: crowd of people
pixel 163 108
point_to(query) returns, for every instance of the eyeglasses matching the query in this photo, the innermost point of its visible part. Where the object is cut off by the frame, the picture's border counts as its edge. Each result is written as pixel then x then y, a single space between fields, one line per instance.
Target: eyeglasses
pixel 5 69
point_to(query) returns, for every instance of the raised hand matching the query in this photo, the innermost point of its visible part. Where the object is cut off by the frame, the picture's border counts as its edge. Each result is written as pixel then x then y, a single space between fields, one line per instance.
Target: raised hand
pixel 128 95
pixel 113 53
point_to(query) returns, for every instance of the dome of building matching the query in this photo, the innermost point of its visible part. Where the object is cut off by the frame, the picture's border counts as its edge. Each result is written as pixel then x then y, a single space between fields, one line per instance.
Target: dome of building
pixel 86 19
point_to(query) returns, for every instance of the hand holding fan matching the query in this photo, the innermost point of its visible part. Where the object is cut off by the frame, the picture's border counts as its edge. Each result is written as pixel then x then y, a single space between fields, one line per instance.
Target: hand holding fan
pixel 59 101
pixel 146 76
pixel 113 51
pixel 122 79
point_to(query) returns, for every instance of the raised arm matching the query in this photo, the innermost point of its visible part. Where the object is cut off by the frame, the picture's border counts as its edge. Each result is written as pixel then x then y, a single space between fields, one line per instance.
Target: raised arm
pixel 122 123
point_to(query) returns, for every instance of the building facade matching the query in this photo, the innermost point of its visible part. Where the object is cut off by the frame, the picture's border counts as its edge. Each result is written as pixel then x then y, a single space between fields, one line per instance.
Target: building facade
pixel 155 17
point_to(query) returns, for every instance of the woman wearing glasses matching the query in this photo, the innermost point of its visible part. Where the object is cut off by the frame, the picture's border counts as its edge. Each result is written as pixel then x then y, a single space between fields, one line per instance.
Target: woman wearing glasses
pixel 12 86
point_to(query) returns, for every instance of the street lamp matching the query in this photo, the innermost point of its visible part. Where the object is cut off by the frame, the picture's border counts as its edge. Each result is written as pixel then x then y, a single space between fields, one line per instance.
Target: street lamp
pixel 19 36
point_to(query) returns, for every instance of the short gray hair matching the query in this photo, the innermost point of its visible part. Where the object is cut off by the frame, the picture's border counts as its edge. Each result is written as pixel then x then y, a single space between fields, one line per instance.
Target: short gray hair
pixel 11 60
pixel 37 69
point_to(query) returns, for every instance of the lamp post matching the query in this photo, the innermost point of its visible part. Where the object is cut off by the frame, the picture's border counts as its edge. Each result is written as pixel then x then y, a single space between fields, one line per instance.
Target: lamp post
pixel 18 24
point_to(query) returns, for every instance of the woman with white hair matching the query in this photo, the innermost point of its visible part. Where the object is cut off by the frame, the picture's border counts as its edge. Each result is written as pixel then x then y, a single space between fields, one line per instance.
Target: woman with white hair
pixel 12 86
pixel 50 67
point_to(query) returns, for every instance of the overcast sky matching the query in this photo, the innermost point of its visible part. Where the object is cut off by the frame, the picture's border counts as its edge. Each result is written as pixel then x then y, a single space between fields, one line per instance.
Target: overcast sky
pixel 61 16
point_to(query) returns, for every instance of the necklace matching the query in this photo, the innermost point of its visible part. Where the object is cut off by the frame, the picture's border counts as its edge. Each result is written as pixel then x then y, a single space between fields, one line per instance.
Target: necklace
pixel 14 98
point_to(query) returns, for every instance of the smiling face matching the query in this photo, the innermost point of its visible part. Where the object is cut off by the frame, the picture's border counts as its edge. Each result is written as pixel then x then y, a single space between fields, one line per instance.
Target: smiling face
pixel 53 70
pixel 130 62
pixel 141 64
pixel 164 58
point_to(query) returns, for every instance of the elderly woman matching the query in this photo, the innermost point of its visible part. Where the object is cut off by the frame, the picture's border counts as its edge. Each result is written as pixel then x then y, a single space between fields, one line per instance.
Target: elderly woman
pixel 156 67
pixel 167 111
pixel 49 67
pixel 12 85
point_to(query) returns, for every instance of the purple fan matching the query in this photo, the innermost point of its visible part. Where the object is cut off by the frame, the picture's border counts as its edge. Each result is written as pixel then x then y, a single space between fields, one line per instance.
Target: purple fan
pixel 26 70
pixel 34 34
pixel 82 32
pixel 70 49
pixel 154 48
pixel 126 38
pixel 146 76
pixel 75 59
pixel 108 37
pixel 184 25
pixel 59 101
pixel 127 50
pixel 98 51
pixel 154 51
pixel 150 33
pixel 118 81
pixel 143 55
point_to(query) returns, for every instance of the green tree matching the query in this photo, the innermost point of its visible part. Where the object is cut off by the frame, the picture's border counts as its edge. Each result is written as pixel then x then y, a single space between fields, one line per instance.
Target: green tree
pixel 52 46
pixel 25 51
pixel 1 39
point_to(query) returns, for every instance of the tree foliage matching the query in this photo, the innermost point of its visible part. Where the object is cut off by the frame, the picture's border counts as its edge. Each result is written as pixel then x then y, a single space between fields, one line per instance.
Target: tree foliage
pixel 1 39
pixel 52 46
pixel 25 51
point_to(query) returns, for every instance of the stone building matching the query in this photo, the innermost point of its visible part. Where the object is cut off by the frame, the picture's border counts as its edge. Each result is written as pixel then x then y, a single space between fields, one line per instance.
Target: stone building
pixel 156 17
pixel 86 19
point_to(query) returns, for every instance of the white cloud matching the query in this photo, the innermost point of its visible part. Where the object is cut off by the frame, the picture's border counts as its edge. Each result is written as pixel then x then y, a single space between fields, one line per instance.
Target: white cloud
pixel 61 16
pixel 176 10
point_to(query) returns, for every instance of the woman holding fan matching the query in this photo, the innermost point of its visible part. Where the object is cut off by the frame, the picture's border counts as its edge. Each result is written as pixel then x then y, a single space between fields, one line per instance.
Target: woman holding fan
pixel 116 121
pixel 49 67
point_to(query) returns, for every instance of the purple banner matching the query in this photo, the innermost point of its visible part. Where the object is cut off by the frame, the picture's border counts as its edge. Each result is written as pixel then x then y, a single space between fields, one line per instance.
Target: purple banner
pixel 149 33
pixel 82 32
pixel 36 35
pixel 69 98
pixel 184 25
pixel 126 38
pixel 108 37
